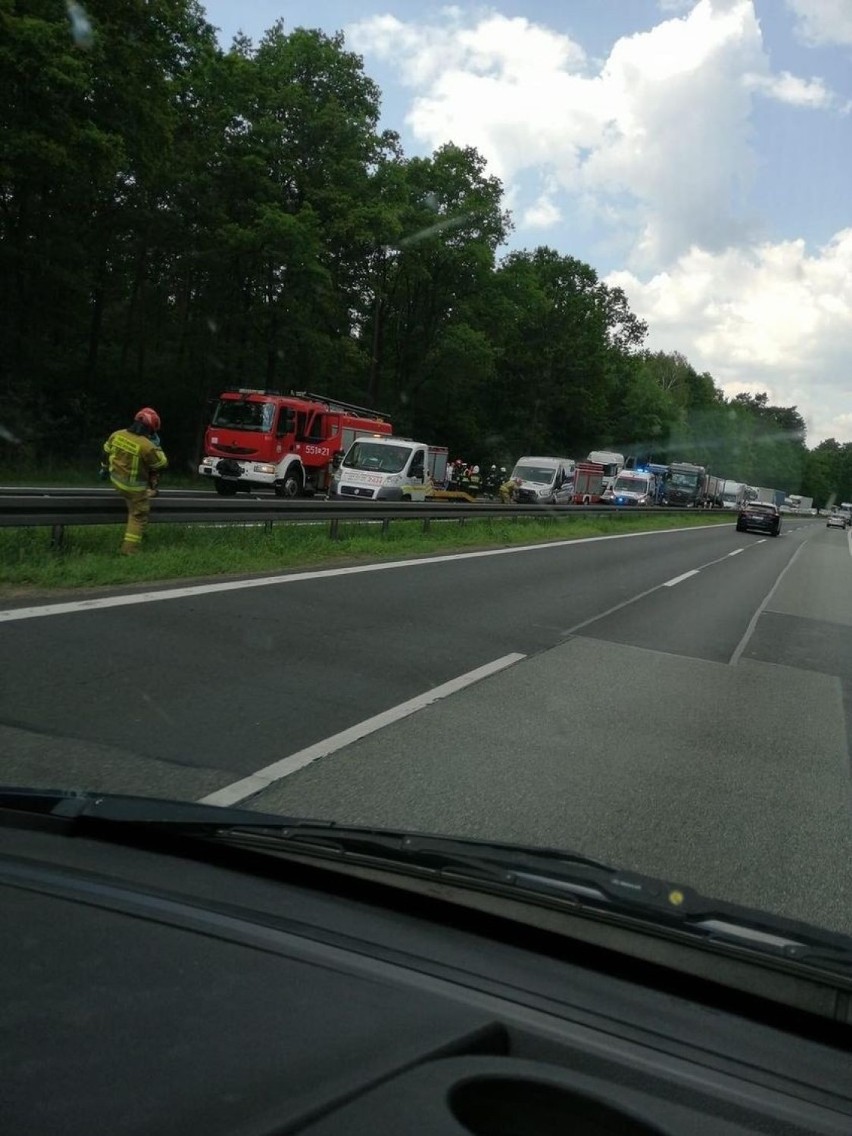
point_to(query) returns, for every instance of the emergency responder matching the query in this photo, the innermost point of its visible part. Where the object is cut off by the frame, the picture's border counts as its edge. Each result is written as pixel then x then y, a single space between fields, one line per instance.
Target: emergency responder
pixel 492 482
pixel 508 488
pixel 474 482
pixel 133 461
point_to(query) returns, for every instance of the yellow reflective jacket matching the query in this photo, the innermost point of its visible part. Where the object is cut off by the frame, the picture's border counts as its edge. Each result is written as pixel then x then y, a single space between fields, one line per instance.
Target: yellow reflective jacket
pixel 132 459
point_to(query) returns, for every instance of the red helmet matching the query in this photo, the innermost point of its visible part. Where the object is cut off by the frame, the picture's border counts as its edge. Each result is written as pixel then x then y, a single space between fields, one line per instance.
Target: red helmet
pixel 149 418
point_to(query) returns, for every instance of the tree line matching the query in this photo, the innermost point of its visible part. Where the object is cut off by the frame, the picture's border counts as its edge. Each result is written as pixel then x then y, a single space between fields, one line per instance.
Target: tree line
pixel 178 218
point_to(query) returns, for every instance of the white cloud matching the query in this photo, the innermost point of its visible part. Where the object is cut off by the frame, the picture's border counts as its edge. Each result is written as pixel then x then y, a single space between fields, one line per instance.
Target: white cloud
pixel 823 21
pixel 542 214
pixel 658 136
pixel 770 318
pixel 787 88
pixel 654 148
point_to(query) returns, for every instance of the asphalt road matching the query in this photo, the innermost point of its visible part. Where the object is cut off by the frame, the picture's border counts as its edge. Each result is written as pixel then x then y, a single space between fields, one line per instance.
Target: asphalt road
pixel 677 703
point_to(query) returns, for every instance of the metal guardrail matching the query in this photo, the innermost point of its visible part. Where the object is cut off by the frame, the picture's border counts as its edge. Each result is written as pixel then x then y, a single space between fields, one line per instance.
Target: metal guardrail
pixel 93 491
pixel 57 512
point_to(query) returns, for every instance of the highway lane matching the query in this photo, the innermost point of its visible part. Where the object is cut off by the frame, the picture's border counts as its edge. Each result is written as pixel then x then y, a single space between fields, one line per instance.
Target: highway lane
pixel 625 732
pixel 232 681
pixel 724 769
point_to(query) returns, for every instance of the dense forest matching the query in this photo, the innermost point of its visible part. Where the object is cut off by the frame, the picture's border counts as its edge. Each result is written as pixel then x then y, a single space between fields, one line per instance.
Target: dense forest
pixel 178 218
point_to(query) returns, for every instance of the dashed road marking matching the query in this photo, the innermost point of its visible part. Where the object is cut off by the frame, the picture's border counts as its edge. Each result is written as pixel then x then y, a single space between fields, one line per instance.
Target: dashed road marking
pixel 680 579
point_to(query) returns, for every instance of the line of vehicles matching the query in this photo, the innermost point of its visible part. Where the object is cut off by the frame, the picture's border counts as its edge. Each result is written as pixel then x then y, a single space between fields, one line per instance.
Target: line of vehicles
pixel 304 443
pixel 840 516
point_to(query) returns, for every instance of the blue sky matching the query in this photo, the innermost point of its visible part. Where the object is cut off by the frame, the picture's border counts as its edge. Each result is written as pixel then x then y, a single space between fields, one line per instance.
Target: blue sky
pixel 696 152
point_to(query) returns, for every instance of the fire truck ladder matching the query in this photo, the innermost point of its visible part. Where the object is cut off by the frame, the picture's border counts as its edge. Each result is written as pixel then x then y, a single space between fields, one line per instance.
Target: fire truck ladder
pixel 337 404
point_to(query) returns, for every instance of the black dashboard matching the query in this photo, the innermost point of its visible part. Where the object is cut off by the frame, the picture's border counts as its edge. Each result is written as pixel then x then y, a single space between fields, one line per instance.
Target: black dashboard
pixel 170 990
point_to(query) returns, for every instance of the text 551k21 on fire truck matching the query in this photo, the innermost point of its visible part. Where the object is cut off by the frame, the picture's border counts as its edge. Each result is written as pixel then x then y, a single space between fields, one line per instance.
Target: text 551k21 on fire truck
pixel 289 443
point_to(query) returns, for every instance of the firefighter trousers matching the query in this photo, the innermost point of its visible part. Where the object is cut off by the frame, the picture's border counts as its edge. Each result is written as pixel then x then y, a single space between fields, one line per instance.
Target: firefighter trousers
pixel 138 507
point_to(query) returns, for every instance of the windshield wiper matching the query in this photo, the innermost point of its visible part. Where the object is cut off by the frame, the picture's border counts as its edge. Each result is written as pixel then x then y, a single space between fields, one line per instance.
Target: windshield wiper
pixel 542 875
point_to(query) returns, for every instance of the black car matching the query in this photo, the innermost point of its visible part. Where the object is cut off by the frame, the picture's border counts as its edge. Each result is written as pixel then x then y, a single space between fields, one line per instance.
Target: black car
pixel 759 516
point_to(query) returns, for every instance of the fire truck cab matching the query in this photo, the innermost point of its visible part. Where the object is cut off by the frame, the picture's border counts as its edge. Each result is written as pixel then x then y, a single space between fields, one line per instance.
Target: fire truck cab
pixel 290 443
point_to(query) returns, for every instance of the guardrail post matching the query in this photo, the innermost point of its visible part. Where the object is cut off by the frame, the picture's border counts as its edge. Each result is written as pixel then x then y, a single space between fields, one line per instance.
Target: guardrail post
pixel 57 537
pixel 427 524
pixel 334 529
pixel 385 525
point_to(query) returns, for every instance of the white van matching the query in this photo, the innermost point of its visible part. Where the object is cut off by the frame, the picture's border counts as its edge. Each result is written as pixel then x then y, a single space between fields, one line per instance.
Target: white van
pixel 381 468
pixel 545 481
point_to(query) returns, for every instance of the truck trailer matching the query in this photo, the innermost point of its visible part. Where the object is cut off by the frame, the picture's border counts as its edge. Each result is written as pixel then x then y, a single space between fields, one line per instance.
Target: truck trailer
pixel 734 494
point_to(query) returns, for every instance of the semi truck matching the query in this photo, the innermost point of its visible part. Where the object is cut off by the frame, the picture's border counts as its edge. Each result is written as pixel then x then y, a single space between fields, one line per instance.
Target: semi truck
pixel 612 463
pixel 799 504
pixel 286 442
pixel 734 494
pixel 692 487
pixel 685 485
pixel 766 495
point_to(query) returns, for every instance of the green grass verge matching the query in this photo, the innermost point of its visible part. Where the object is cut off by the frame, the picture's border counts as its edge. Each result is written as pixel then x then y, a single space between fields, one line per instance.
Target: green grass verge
pixel 89 557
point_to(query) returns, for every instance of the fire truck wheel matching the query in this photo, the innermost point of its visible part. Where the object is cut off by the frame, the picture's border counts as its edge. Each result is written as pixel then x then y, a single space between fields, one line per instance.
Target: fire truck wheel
pixel 225 488
pixel 291 486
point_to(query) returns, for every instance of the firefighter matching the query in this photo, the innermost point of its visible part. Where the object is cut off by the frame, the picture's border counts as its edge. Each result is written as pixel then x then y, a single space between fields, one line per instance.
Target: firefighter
pixel 133 461
pixel 474 482
pixel 492 482
pixel 508 488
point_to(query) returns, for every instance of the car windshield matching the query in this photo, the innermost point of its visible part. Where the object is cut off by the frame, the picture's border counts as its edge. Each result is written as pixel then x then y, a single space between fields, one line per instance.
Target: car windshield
pixel 244 414
pixel 376 456
pixel 507 237
pixel 542 474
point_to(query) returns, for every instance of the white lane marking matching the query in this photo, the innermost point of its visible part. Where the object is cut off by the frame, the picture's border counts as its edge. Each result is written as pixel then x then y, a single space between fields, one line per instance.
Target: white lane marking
pixel 12 614
pixel 681 578
pixel 761 541
pixel 263 778
pixel 639 596
pixel 736 552
pixel 752 623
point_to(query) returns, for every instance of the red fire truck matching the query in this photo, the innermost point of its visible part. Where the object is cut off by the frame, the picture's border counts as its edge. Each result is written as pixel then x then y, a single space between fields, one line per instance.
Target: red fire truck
pixel 588 483
pixel 287 442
